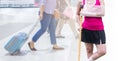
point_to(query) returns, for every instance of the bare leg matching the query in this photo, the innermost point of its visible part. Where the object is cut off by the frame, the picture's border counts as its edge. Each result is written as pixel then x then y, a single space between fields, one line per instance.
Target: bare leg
pixel 89 49
pixel 101 50
pixel 72 26
pixel 59 27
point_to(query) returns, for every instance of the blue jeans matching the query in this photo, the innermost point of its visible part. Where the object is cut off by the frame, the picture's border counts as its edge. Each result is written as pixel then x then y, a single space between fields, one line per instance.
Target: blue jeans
pixel 56 22
pixel 48 21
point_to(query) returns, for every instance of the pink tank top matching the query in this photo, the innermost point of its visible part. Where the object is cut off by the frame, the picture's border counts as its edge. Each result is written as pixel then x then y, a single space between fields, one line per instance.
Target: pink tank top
pixel 93 23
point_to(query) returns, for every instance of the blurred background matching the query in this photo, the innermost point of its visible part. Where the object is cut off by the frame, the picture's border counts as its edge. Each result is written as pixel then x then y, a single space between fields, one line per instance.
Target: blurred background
pixel 19 15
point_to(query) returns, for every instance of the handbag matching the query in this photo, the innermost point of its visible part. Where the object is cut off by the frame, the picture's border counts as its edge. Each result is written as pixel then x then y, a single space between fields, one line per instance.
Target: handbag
pixel 68 12
pixel 93 8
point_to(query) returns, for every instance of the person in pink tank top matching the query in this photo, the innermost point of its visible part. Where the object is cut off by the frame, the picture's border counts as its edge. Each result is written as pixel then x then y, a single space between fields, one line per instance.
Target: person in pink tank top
pixel 93 33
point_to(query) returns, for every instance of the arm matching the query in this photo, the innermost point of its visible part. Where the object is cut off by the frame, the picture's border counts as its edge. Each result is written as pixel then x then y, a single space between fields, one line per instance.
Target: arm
pixel 79 18
pixel 78 8
pixel 67 2
pixel 41 11
pixel 42 2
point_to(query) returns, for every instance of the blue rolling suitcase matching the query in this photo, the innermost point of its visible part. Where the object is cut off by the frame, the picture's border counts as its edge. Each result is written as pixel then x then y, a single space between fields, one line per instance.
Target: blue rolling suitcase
pixel 17 41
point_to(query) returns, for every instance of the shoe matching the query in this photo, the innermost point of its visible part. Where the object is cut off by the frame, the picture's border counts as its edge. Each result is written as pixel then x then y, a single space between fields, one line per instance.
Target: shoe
pixel 33 49
pixel 58 48
pixel 60 36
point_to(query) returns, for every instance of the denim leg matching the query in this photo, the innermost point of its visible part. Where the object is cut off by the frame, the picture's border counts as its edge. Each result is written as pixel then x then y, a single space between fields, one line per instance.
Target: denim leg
pixel 44 25
pixel 52 31
pixel 56 22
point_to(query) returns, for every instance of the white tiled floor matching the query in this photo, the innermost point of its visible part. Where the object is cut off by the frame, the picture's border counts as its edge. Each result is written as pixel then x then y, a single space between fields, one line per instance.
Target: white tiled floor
pixel 44 53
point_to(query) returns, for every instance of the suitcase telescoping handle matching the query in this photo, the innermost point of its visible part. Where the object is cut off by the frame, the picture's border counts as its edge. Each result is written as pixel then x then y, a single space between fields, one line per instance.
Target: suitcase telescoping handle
pixel 34 25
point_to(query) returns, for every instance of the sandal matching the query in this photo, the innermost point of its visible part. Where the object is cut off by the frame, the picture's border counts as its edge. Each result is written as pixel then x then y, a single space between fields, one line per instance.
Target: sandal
pixel 33 49
pixel 60 36
pixel 58 48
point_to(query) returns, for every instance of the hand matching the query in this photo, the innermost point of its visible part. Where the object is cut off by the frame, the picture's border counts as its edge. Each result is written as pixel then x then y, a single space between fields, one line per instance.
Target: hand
pixel 41 16
pixel 79 21
pixel 56 14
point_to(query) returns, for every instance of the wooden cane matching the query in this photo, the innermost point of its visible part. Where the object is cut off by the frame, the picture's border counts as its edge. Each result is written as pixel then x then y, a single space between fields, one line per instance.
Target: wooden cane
pixel 79 40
